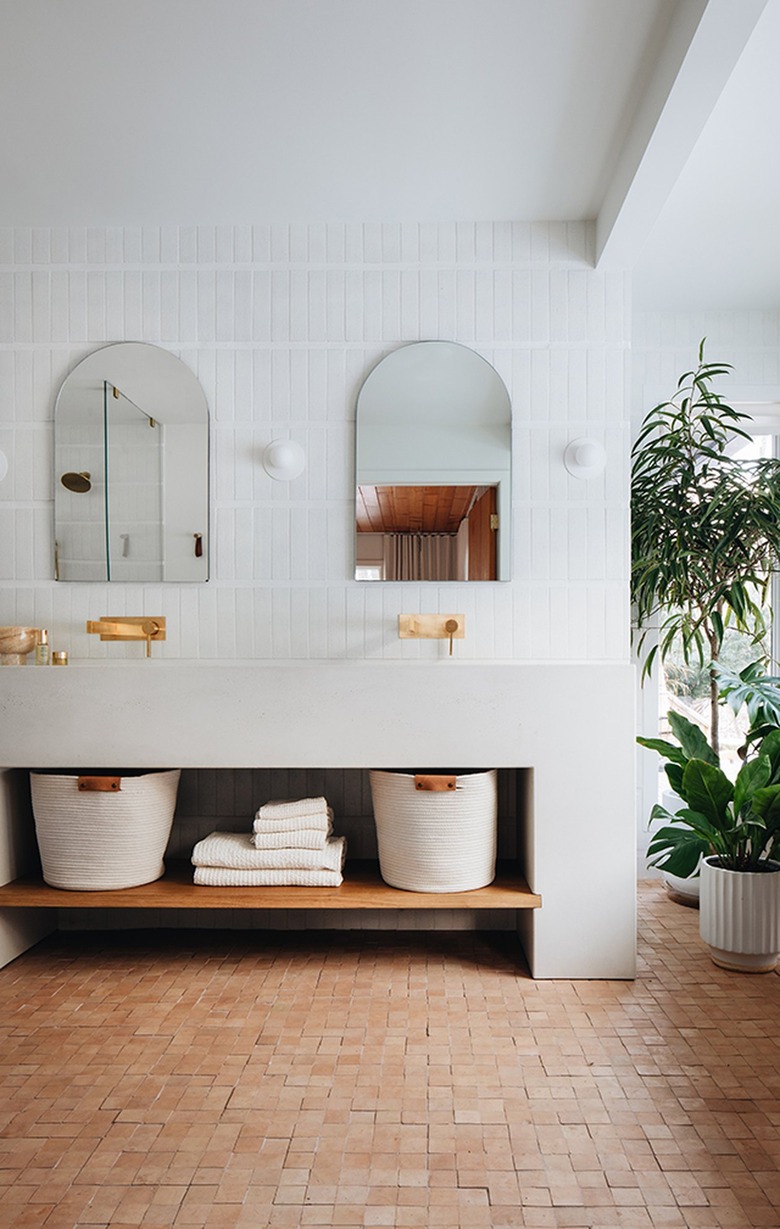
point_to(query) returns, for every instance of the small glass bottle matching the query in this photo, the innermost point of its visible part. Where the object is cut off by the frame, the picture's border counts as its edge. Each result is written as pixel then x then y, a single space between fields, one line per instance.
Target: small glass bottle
pixel 42 651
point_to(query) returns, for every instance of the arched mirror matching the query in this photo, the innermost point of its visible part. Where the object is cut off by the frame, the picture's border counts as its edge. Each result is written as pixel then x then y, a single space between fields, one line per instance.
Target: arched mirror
pixel 433 466
pixel 131 447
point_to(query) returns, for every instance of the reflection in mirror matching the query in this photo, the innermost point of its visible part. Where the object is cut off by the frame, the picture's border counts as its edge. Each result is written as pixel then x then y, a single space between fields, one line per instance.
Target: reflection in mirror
pixel 433 467
pixel 426 533
pixel 131 460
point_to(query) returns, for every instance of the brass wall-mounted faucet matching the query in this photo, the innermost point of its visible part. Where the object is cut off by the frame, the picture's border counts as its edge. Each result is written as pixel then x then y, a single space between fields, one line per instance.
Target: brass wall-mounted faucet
pixel 432 627
pixel 126 627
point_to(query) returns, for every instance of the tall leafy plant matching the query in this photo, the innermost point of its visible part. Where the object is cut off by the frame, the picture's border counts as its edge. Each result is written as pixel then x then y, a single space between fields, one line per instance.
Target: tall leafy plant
pixel 705 527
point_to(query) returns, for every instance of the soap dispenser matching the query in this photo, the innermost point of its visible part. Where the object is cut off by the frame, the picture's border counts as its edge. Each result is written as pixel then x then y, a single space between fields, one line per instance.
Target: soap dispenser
pixel 42 650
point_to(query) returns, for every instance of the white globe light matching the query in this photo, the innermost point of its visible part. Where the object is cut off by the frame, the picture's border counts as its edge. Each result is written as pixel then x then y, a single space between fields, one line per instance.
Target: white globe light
pixel 584 458
pixel 284 460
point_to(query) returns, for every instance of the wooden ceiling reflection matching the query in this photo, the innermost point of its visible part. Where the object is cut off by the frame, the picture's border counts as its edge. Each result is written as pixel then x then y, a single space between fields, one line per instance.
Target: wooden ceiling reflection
pixel 412 509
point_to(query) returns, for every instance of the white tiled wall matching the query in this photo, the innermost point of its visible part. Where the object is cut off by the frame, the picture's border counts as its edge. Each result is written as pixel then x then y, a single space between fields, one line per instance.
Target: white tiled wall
pixel 281 325
pixel 665 344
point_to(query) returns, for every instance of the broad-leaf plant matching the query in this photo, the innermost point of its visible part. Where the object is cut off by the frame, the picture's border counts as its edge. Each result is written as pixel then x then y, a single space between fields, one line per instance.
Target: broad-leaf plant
pixel 739 821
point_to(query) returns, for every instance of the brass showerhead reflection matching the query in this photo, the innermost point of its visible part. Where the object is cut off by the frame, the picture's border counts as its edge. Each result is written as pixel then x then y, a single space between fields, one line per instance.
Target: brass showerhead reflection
pixel 79 483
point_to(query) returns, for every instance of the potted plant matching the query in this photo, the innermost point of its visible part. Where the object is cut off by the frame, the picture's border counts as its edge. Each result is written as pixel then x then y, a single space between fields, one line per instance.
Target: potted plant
pixel 705 539
pixel 732 829
pixel 705 535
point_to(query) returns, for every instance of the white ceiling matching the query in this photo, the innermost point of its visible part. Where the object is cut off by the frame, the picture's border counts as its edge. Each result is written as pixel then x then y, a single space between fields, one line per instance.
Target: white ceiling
pixel 717 240
pixel 203 111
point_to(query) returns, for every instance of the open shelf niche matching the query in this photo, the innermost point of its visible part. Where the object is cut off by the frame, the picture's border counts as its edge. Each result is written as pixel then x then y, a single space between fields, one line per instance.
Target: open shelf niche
pixel 226 800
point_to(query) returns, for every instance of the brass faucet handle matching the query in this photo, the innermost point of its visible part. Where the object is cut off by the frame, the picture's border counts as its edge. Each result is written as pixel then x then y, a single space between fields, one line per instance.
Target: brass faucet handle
pixel 451 626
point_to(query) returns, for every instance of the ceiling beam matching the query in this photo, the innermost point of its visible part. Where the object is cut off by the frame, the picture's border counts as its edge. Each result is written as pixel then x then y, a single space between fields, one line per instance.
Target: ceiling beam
pixel 705 40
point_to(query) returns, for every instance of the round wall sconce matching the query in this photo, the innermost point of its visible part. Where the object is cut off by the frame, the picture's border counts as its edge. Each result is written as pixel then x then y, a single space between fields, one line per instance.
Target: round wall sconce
pixel 3 465
pixel 284 460
pixel 585 458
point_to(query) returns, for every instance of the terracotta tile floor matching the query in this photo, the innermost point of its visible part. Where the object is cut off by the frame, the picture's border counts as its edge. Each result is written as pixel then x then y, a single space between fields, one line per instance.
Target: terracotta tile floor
pixel 239 1081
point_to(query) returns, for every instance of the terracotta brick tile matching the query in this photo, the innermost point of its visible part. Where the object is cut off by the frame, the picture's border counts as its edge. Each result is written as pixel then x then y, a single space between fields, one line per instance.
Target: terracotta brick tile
pixel 228 1082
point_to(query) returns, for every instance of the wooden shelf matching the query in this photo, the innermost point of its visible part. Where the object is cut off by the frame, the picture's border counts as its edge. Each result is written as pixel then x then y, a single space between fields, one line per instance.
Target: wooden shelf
pixel 362 889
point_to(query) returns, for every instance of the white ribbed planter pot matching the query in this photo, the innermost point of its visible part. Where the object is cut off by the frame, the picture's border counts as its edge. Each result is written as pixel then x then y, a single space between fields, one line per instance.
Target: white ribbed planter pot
pixel 739 917
pixel 683 891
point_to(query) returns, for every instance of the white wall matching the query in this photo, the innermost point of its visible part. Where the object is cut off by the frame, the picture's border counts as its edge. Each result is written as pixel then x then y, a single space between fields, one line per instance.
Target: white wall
pixel 281 325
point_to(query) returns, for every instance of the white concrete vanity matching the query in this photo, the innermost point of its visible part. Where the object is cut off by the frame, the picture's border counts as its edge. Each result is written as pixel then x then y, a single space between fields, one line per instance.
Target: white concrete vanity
pixel 572 725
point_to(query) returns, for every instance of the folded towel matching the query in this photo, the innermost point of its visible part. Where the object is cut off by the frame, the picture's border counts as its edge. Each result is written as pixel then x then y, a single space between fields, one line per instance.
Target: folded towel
pixel 321 820
pixel 304 838
pixel 289 808
pixel 235 851
pixel 224 877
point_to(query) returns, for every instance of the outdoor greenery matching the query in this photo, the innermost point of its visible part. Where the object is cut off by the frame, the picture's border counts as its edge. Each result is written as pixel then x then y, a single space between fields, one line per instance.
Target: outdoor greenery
pixel 705 530
pixel 739 822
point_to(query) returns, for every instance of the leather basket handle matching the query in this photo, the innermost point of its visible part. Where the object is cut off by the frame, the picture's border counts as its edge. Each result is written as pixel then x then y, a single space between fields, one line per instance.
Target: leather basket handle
pixel 435 784
pixel 101 785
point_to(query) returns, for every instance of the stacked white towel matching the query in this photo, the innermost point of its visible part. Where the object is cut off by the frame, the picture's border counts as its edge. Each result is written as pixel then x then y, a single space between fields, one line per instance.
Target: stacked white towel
pixel 302 823
pixel 290 844
pixel 231 859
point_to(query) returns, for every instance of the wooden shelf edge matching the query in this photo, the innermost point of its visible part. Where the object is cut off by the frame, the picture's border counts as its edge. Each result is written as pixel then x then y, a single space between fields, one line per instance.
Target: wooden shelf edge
pixel 362 889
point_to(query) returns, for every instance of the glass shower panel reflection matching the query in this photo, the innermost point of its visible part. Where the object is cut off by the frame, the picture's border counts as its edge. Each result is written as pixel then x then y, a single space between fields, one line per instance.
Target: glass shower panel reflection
pixel 134 449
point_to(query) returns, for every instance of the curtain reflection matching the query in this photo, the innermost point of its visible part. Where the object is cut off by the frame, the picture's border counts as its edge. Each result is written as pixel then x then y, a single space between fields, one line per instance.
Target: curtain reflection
pixel 420 556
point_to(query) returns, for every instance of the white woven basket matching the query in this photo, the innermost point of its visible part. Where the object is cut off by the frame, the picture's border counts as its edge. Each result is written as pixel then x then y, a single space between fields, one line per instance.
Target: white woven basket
pixel 436 840
pixel 103 837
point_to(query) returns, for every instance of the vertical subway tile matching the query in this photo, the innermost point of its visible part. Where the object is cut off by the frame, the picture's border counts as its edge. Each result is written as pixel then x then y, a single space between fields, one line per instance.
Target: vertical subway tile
pixel 22 307
pixel 335 243
pixel 23 245
pixel 261 244
pixel 353 306
pixel 187 325
pixel 169 306
pixel 7 239
pixel 224 306
pixel 224 251
pixel 372 305
pixel 261 306
pixel 96 306
pixel 207 305
pixel 299 306
pixel 372 243
pixel 41 305
pixel 317 243
pixel 390 289
pixel 77 306
pixel 206 245
pixel 333 305
pixel 391 243
pixel 133 310
pixel 150 301
pixel 280 305
pixel 242 306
